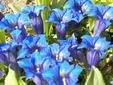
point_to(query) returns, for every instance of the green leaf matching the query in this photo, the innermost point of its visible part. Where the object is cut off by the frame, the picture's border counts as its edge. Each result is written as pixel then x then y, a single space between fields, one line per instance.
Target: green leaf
pixel 94 77
pixel 2 36
pixel 21 82
pixel 13 79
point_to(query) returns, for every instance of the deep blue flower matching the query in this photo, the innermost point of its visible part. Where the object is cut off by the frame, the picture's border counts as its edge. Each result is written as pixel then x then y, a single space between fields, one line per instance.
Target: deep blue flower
pixel 72 45
pixel 60 52
pixel 17 35
pixel 61 19
pixel 34 14
pixel 12 21
pixel 96 43
pixel 24 52
pixel 69 73
pixel 15 24
pixel 8 56
pixel 32 43
pixel 93 57
pixel 103 18
pixel 71 42
pixel 72 15
pixel 56 18
pixel 96 47
pixel 36 41
pixel 84 7
pixel 28 67
pixel 8 22
pixel 42 67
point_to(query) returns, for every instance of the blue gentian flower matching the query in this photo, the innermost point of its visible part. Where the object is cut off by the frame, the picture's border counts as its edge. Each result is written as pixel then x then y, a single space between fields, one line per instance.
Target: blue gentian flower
pixel 72 15
pixel 17 35
pixel 60 52
pixel 40 66
pixel 96 47
pixel 8 57
pixel 61 19
pixel 15 25
pixel 35 42
pixel 24 52
pixel 71 42
pixel 69 73
pixel 8 22
pixel 56 18
pixel 85 7
pixel 103 18
pixel 34 14
pixel 28 67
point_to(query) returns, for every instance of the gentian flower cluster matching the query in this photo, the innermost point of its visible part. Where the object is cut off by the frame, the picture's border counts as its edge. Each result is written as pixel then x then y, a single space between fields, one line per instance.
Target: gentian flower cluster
pixel 54 64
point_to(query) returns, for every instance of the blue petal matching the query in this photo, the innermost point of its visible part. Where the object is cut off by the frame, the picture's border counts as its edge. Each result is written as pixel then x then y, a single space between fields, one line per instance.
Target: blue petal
pixel 89 9
pixel 104 12
pixel 11 18
pixel 37 80
pixel 33 8
pixel 65 68
pixel 17 35
pixel 108 15
pixel 54 49
pixel 93 57
pixel 86 41
pixel 29 73
pixel 74 74
pixel 23 52
pixel 72 15
pixel 69 4
pixel 55 16
pixel 65 54
pixel 100 26
pixel 23 18
pixel 38 59
pixel 28 40
pixel 102 46
pixel 4 47
pixel 41 41
pixel 52 18
pixel 38 9
pixel 25 63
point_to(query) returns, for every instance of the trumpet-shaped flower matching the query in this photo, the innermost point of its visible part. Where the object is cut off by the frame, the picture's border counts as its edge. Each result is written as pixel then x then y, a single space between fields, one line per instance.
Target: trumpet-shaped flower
pixel 34 14
pixel 61 18
pixel 56 18
pixel 84 7
pixel 69 73
pixel 96 48
pixel 17 35
pixel 60 52
pixel 103 18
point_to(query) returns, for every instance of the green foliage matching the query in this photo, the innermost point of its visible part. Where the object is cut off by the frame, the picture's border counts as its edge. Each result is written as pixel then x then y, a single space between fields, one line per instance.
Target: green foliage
pixel 106 2
pixel 13 79
pixel 2 36
pixel 94 77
